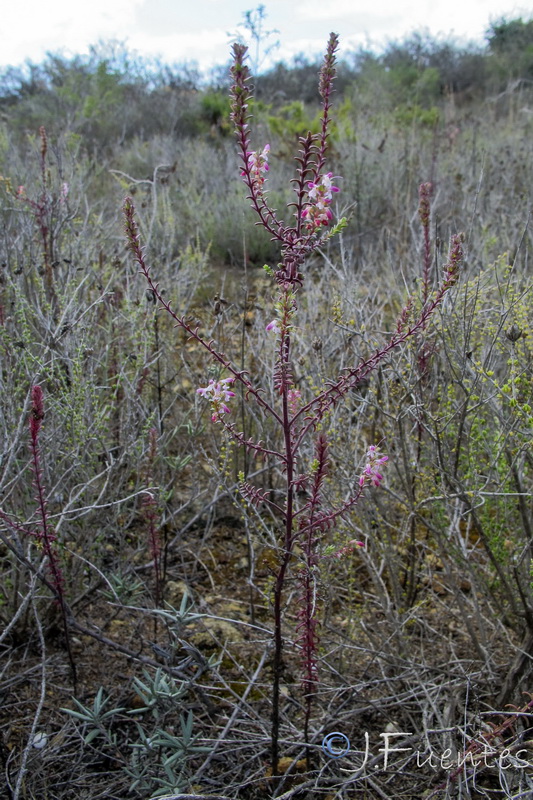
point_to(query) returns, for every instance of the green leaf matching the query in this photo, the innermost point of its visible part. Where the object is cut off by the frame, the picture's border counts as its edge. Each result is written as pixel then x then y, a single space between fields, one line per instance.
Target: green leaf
pixel 341 224
pixel 92 735
pixel 87 717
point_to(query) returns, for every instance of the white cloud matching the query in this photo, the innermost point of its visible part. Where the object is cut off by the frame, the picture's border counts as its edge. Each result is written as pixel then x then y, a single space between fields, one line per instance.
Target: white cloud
pixel 205 46
pixel 38 27
pixel 318 10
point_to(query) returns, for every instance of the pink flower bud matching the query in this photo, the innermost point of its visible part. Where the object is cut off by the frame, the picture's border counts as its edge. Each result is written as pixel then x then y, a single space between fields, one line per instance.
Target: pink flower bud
pixel 273 327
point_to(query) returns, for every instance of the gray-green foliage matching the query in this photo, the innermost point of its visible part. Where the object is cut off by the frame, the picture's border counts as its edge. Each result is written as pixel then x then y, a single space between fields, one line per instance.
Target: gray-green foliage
pixel 153 749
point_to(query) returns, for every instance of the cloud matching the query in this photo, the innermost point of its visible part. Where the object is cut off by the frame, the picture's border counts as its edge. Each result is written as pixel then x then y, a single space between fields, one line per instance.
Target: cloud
pixel 317 11
pixel 60 25
pixel 207 47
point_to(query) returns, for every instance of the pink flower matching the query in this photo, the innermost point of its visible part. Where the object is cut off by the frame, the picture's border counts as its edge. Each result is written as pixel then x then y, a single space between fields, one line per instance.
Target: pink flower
pixel 320 194
pixel 258 166
pixel 273 327
pixel 372 467
pixel 315 216
pixel 293 398
pixel 217 394
pixel 348 548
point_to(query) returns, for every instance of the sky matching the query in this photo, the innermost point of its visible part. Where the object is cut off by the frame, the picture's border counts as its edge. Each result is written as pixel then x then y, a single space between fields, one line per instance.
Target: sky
pixel 197 30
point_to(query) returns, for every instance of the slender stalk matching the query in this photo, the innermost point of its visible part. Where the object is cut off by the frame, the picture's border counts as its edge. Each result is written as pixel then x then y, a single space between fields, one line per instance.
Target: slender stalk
pixel 46 535
pixel 424 208
pixel 280 578
pixel 151 516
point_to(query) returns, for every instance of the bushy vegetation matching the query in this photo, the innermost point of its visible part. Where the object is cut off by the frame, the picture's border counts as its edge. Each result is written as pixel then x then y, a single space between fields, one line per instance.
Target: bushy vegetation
pixel 137 583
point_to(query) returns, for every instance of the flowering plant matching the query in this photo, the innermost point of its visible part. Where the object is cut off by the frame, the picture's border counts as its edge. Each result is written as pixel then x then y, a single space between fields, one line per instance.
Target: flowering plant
pixel 320 194
pixel 218 396
pixel 374 461
pixel 305 518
